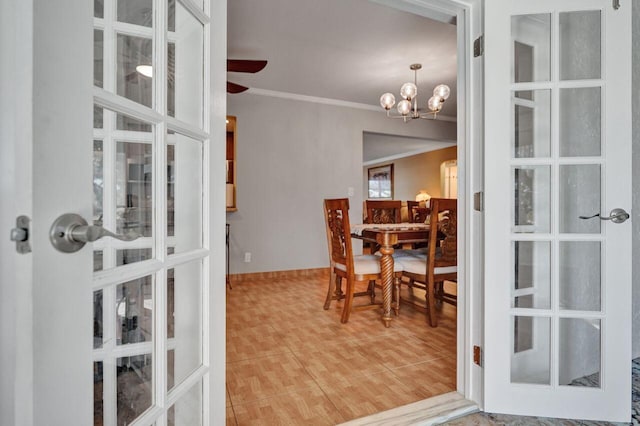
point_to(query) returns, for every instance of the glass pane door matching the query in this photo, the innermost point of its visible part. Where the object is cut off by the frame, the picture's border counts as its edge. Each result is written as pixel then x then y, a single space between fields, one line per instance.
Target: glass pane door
pixel 556 166
pixel 564 165
pixel 150 149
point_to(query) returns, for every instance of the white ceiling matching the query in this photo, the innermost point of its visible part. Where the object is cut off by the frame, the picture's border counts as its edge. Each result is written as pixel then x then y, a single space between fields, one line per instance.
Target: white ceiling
pixel 348 50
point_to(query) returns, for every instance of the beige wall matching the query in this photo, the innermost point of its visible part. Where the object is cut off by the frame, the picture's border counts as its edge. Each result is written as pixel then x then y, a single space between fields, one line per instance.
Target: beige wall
pixel 416 173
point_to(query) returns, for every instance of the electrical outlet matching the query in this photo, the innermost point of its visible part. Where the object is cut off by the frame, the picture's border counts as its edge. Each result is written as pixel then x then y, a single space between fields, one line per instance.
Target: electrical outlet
pixel 351 191
pixel 247 257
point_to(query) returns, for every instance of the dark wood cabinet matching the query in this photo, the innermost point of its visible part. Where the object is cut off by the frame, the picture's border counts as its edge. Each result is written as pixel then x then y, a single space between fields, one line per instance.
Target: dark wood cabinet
pixel 231 164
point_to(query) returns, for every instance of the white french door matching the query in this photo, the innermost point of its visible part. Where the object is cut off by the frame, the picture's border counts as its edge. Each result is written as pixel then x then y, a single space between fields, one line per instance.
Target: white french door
pixel 151 148
pixel 558 152
pixel 127 332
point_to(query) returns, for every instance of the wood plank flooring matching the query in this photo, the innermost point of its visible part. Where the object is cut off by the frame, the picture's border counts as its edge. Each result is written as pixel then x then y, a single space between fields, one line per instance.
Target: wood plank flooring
pixel 290 362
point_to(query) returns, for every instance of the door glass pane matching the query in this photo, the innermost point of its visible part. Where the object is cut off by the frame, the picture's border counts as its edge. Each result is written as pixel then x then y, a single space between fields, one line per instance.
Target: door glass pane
pixel 171 188
pixel 98 182
pixel 124 122
pixel 580 275
pixel 580 116
pixel 134 387
pixel 131 82
pixel 134 188
pixel 188 410
pixel 532 274
pixel 98 393
pixel 98 58
pixel 184 319
pixel 532 48
pixel 579 352
pixel 171 80
pixel 98 333
pixel 580 43
pixel 98 8
pixel 134 311
pixel 579 196
pixel 98 260
pixel 125 257
pixel 531 356
pixel 186 67
pixel 532 124
pixel 171 15
pixel 532 198
pixel 138 12
pixel 186 194
pixel 98 196
pixel 98 117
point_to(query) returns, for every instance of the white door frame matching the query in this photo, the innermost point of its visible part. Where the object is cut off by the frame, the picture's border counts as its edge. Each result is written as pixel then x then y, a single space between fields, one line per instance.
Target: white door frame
pixel 468 13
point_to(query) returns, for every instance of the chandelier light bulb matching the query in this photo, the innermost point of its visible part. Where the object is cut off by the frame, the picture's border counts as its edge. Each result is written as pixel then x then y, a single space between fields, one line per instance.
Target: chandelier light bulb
pixel 387 101
pixel 404 107
pixel 435 103
pixel 442 91
pixel 409 91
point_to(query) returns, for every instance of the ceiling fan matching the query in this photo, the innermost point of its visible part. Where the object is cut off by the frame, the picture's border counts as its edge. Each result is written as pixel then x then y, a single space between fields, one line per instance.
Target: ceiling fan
pixel 242 65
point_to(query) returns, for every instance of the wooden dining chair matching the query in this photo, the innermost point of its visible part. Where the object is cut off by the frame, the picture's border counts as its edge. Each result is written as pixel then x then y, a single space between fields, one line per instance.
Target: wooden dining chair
pixel 384 211
pixel 441 262
pixel 410 205
pixel 353 269
pixel 419 214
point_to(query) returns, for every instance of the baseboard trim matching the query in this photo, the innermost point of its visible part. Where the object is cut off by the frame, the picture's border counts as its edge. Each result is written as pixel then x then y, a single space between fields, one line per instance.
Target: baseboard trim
pixel 270 275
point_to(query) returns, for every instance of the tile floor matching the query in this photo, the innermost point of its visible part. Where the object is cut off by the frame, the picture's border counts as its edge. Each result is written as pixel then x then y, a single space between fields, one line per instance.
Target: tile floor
pixel 289 362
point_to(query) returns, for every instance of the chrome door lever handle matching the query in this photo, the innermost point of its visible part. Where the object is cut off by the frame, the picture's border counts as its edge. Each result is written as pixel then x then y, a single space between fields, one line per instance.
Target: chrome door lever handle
pixel 70 232
pixel 91 233
pixel 616 216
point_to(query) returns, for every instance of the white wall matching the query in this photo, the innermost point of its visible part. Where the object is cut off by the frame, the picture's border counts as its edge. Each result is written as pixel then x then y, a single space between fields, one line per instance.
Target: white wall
pixel 292 155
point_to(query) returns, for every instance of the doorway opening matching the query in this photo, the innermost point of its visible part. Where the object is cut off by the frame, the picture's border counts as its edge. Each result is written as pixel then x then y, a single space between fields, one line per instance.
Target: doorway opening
pixel 269 115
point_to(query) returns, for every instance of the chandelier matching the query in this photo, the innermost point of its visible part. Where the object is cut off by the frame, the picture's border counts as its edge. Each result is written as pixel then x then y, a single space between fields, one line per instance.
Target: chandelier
pixel 408 106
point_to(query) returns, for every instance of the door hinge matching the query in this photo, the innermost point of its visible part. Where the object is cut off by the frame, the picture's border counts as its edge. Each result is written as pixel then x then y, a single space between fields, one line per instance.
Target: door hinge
pixel 477 355
pixel 478 201
pixel 478 46
pixel 20 234
pixel 616 4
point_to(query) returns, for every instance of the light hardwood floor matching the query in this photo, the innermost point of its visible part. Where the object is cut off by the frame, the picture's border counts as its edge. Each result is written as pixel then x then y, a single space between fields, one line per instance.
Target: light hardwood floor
pixel 289 362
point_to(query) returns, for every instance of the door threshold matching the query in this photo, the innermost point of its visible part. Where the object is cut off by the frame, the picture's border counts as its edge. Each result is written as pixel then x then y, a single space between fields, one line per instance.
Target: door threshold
pixel 432 411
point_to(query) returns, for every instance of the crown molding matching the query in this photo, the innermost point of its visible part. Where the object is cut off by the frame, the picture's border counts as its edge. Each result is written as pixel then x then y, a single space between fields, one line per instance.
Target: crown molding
pixel 327 101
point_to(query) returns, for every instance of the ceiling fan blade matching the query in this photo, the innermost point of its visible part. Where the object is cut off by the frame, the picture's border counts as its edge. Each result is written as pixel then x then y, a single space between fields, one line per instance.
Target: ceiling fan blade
pixel 245 65
pixel 235 88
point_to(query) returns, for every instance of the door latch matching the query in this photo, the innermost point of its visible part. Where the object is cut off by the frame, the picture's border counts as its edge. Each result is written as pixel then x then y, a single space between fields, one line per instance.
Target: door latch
pixel 478 201
pixel 477 355
pixel 20 234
